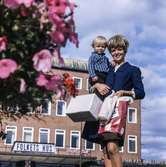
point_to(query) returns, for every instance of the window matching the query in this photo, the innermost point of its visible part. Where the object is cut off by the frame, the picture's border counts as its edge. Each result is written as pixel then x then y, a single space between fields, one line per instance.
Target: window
pixel 60 138
pixel 132 144
pixel 89 145
pixel 13 108
pixel 78 82
pixel 75 139
pixel 44 135
pixel 46 107
pixel 27 134
pixel 132 115
pixel 60 108
pixel 11 134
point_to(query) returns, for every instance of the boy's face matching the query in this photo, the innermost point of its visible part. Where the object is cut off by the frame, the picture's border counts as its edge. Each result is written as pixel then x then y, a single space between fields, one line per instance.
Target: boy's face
pixel 99 48
pixel 118 55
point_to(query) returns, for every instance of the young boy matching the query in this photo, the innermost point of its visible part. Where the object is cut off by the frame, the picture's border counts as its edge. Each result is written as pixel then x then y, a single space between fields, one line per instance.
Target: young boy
pixel 98 64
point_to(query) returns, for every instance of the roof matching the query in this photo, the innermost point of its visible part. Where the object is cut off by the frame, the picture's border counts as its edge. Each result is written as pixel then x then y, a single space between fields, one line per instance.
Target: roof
pixel 72 64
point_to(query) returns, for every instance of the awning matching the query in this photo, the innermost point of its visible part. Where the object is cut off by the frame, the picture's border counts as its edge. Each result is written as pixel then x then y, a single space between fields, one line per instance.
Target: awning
pixel 42 158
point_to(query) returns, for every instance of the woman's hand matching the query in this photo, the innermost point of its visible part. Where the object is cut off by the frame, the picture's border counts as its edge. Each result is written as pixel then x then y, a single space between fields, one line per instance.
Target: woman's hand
pixel 102 88
pixel 123 93
pixel 119 93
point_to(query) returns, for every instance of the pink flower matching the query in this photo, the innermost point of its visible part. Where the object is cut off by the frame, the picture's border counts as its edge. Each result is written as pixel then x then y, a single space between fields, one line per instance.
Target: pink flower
pixel 7 66
pixel 27 3
pixel 54 82
pixel 50 82
pixel 50 2
pixel 60 10
pixel 58 37
pixel 42 61
pixel 3 43
pixel 54 18
pixel 41 80
pixel 13 4
pixel 73 37
pixel 22 85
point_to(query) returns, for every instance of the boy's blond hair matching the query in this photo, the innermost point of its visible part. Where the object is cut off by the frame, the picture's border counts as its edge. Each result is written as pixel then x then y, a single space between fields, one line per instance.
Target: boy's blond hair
pixel 118 41
pixel 99 40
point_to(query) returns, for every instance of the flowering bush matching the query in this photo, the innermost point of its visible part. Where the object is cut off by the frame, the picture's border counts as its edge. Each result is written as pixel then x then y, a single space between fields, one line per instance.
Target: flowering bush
pixel 32 32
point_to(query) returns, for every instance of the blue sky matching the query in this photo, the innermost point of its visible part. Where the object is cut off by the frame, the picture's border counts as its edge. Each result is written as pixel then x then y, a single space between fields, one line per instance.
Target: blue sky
pixel 143 22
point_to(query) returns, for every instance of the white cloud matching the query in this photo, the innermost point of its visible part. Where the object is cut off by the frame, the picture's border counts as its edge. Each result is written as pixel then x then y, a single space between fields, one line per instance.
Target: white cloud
pixel 155 103
pixel 155 139
pixel 152 33
pixel 153 81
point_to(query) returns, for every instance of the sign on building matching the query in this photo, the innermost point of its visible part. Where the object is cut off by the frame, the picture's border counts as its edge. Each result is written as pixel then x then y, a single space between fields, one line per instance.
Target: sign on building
pixel 20 146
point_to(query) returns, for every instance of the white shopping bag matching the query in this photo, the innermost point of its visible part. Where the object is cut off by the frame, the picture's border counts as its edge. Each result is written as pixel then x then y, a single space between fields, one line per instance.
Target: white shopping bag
pixel 110 104
pixel 84 108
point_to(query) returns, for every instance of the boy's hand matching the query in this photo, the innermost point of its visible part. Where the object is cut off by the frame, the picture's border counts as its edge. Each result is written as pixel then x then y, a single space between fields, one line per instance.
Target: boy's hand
pixel 102 88
pixel 94 79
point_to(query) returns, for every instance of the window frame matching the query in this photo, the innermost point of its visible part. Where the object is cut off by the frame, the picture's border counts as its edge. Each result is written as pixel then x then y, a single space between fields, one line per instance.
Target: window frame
pixel 135 115
pixel 87 84
pixel 134 139
pixel 75 131
pixel 23 130
pixel 48 133
pixel 64 137
pixel 15 134
pixel 81 80
pixel 89 149
pixel 49 108
pixel 64 112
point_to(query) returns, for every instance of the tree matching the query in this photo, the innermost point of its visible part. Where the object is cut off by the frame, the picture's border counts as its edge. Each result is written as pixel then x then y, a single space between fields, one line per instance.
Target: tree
pixel 31 35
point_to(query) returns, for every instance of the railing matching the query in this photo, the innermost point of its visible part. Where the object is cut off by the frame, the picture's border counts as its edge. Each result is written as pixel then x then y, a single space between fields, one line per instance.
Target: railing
pixel 145 163
pixel 130 163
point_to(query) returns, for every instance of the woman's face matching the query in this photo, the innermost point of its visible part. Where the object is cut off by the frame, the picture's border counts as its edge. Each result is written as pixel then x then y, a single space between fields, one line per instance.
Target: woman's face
pixel 118 55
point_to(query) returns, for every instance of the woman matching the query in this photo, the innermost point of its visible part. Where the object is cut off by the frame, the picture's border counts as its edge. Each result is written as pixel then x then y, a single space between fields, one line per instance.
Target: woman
pixel 127 82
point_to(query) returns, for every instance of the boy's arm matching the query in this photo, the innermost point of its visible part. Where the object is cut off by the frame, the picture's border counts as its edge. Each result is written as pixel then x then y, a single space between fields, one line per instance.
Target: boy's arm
pixel 91 68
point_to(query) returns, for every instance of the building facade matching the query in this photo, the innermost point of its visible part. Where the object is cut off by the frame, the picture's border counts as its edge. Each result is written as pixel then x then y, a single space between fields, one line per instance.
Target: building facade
pixel 51 138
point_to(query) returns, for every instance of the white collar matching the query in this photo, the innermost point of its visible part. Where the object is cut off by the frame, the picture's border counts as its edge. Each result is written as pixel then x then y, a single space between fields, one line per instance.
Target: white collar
pixel 117 66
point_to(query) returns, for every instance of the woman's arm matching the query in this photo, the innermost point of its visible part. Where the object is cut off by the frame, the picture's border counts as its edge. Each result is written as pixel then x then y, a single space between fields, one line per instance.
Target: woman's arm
pixel 138 86
pixel 137 91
